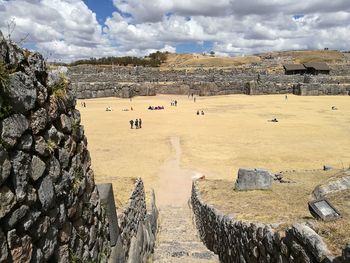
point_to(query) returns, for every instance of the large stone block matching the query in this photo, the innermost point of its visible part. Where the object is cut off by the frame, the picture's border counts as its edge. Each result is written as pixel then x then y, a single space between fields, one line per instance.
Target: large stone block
pixel 13 127
pixel 107 201
pixel 21 92
pixel 253 179
pixel 5 165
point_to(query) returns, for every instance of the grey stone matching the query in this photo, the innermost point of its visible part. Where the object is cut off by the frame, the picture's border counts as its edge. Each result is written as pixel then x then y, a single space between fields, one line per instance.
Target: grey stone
pixel 49 243
pixel 3 246
pixel 63 156
pixel 65 233
pixel 105 192
pixel 15 55
pixel 346 253
pixel 54 168
pixel 37 256
pixel 253 179
pixel 134 251
pixel 53 135
pixel 39 120
pixel 76 116
pixel 46 193
pixel 17 215
pixel 332 186
pixel 41 146
pixel 5 165
pixel 30 219
pixel 37 168
pixel 13 127
pixel 62 254
pixel 37 65
pixel 3 48
pixel 21 92
pixel 65 123
pixel 41 227
pixel 13 239
pixel 311 240
pixel 25 144
pixel 42 94
pixel 21 169
pixel 53 108
pixel 31 195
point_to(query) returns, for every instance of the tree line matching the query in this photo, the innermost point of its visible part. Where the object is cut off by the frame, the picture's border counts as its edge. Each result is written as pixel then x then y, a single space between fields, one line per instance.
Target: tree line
pixel 152 60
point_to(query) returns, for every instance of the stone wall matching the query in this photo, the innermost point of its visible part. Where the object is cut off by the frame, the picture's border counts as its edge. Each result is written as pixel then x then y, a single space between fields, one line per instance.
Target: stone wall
pixel 236 241
pixel 105 81
pixel 49 204
pixel 137 228
pixel 317 89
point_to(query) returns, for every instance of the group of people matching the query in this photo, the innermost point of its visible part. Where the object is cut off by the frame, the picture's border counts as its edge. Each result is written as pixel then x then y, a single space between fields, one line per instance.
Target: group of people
pixel 173 103
pixel 156 108
pixel 83 104
pixel 137 123
pixel 201 112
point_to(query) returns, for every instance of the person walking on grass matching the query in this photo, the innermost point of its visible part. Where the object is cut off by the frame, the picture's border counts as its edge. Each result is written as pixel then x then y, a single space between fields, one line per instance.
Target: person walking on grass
pixel 140 123
pixel 137 123
pixel 131 124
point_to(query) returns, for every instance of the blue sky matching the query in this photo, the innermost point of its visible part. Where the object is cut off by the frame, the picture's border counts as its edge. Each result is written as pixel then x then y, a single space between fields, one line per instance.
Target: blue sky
pixel 105 8
pixel 66 30
pixel 102 8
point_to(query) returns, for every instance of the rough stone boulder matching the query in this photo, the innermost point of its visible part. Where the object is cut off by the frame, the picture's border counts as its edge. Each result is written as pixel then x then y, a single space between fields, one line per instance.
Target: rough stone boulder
pixel 253 179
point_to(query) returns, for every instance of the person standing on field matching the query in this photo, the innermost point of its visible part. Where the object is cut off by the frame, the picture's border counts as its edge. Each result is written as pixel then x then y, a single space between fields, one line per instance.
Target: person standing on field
pixel 131 124
pixel 137 123
pixel 140 123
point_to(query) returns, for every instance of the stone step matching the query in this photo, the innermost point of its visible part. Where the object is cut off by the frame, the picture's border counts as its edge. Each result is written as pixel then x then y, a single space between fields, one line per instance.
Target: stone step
pixel 177 239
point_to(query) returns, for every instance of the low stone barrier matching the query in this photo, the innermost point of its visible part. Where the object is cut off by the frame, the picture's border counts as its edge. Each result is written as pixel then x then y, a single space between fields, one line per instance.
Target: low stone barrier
pixel 236 241
pixel 137 228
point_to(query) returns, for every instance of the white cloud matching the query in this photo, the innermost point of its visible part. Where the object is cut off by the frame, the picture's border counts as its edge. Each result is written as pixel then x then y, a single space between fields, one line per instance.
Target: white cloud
pixel 67 29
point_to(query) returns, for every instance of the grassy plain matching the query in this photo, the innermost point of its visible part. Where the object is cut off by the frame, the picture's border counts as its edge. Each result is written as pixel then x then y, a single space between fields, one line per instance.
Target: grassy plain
pixel 233 133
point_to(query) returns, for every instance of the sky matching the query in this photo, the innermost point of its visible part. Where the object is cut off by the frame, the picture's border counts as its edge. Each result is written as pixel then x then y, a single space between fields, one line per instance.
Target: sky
pixel 66 30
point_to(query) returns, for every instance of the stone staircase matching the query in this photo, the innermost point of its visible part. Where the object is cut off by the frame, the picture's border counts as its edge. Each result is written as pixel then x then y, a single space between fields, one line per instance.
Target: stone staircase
pixel 178 239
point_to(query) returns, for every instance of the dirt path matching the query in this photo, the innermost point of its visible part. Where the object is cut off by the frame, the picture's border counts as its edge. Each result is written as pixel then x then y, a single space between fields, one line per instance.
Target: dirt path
pixel 177 239
pixel 174 184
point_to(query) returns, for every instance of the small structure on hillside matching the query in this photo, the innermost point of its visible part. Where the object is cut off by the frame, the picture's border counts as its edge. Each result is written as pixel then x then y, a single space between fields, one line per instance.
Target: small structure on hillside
pixel 316 68
pixel 294 69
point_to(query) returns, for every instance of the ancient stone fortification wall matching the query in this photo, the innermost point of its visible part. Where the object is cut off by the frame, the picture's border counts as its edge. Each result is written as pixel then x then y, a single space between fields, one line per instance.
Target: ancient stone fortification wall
pixel 49 204
pixel 137 228
pixel 94 82
pixel 316 89
pixel 236 241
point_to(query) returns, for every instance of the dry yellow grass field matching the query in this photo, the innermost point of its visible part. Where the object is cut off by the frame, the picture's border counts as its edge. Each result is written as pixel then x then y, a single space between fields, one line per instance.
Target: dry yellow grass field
pixel 233 133
pixel 197 60
pixel 329 56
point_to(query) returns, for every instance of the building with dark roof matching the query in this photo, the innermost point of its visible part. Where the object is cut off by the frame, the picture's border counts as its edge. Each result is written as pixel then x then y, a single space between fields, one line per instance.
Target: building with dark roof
pixel 316 68
pixel 313 68
pixel 294 69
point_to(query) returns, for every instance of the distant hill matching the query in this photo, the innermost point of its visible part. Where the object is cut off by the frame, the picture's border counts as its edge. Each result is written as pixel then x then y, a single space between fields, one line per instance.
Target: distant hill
pixel 269 60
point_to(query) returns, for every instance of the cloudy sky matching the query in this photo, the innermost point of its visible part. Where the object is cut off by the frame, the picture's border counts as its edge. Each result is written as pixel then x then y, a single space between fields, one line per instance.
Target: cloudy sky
pixel 64 30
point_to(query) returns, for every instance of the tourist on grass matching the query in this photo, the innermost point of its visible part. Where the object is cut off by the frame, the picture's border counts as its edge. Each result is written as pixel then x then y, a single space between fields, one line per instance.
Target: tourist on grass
pixel 197 112
pixel 140 123
pixel 137 123
pixel 175 103
pixel 131 124
pixel 202 112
